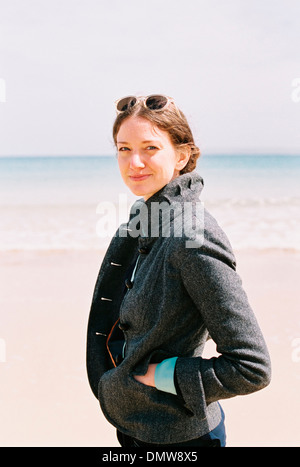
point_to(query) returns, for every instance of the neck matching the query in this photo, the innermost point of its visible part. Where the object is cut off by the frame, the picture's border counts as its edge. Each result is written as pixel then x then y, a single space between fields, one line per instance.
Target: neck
pixel 175 175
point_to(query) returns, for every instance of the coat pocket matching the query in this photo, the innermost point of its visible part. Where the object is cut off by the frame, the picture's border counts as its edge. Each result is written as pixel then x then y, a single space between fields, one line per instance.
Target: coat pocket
pixel 156 356
pixel 124 401
pixel 161 397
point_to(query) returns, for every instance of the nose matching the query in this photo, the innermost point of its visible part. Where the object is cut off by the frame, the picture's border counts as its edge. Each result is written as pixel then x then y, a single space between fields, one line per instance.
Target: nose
pixel 136 162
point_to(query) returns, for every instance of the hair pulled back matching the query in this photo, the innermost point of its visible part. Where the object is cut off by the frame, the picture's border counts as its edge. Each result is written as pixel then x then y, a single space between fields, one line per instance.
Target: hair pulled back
pixel 172 120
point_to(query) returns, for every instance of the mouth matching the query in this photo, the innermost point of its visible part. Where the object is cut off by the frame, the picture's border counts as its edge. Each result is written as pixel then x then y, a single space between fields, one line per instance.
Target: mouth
pixel 139 178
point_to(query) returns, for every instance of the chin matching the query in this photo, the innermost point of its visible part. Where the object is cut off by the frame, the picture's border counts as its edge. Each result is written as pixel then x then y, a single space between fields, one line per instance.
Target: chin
pixel 139 190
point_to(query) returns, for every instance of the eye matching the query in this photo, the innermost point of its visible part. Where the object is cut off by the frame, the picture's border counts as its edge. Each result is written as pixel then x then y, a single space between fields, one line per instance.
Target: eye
pixel 152 148
pixel 123 148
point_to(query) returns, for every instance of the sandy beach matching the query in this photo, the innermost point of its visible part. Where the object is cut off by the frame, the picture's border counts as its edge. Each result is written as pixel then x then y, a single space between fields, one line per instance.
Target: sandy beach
pixel 221 77
pixel 45 399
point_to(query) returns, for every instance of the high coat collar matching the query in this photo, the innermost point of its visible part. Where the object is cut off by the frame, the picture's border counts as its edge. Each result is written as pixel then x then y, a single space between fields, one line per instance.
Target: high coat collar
pixel 182 189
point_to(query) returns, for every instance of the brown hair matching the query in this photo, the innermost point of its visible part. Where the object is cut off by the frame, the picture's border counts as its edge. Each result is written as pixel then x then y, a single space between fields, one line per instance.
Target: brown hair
pixel 171 120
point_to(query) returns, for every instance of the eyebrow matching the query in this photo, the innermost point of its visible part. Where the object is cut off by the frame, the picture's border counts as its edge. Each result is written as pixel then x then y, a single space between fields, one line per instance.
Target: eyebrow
pixel 147 141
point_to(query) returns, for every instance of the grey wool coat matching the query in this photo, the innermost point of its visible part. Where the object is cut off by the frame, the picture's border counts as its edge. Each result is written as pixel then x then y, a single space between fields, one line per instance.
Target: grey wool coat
pixel 183 293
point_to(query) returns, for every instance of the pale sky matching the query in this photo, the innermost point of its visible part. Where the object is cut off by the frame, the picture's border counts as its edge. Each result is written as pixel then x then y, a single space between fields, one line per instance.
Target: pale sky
pixel 229 64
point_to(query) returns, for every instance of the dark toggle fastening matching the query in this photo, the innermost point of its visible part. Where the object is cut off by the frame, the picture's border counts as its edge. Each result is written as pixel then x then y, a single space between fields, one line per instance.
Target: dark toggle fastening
pixel 123 326
pixel 144 250
pixel 128 283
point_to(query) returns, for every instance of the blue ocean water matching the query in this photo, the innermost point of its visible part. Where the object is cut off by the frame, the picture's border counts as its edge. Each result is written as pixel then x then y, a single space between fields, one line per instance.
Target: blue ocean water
pixel 57 202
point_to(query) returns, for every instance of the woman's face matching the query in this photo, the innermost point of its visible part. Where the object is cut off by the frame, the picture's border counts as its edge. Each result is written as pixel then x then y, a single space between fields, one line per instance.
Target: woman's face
pixel 146 156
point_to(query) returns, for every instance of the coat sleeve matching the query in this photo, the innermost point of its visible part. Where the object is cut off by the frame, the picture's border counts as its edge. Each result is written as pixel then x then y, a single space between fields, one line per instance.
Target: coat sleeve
pixel 243 366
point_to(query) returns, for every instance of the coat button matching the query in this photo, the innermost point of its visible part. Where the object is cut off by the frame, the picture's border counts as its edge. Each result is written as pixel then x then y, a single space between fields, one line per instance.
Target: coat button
pixel 123 326
pixel 128 284
pixel 144 250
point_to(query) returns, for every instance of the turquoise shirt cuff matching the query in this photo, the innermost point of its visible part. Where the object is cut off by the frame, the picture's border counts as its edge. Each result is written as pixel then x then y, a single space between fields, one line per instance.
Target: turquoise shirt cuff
pixel 164 375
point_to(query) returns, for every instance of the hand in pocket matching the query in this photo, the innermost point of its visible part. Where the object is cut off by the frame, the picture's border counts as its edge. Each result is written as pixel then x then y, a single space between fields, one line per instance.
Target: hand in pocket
pixel 147 378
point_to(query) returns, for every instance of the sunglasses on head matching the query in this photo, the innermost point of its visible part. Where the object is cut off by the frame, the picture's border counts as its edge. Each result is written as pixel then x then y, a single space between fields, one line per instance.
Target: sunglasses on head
pixel 154 102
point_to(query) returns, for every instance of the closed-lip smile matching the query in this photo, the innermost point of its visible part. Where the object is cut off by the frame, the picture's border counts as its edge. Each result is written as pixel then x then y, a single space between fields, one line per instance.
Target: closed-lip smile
pixel 139 177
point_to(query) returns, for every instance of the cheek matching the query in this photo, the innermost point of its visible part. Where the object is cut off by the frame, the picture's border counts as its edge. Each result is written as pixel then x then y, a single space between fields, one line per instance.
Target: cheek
pixel 122 165
pixel 165 162
pixel 168 164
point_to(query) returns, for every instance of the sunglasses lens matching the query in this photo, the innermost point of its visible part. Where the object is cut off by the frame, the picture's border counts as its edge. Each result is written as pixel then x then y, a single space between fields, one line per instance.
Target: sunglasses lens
pixel 156 102
pixel 126 103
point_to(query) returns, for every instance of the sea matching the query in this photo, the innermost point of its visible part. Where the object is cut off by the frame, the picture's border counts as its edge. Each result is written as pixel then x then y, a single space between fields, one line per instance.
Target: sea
pixel 77 202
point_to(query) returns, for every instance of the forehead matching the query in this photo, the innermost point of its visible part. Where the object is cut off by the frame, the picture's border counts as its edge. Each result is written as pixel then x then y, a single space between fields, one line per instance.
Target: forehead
pixel 137 128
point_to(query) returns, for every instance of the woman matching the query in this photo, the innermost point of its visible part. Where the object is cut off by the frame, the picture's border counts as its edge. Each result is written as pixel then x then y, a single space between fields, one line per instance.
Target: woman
pixel 167 284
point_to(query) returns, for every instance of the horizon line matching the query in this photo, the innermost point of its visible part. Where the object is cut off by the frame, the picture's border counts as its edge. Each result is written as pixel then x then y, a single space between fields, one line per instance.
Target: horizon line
pixel 208 154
